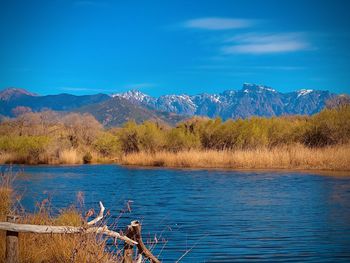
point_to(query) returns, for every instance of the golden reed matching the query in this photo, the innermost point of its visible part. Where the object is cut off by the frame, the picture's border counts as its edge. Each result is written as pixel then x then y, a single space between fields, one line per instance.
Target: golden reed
pixel 288 157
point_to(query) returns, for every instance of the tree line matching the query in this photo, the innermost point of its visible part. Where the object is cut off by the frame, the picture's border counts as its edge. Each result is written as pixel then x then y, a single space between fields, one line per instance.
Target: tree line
pixel 42 137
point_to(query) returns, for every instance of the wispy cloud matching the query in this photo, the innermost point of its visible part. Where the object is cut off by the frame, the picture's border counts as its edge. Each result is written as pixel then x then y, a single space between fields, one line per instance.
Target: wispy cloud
pixel 286 68
pixel 239 67
pixel 218 23
pixel 249 43
pixel 266 43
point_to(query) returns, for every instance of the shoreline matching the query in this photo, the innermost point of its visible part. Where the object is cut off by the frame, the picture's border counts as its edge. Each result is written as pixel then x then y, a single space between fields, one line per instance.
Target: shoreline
pixel 296 158
pixel 267 169
pixel 247 170
pixel 197 168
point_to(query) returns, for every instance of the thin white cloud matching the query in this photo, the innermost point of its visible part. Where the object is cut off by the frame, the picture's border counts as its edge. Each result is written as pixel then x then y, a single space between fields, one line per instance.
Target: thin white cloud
pixel 286 68
pixel 266 43
pixel 218 23
pixel 265 38
pixel 239 67
pixel 266 48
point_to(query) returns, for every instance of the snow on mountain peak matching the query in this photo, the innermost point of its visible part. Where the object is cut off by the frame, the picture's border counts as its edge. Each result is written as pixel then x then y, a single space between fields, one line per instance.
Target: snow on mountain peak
pixel 215 98
pixel 250 86
pixel 303 92
pixel 132 95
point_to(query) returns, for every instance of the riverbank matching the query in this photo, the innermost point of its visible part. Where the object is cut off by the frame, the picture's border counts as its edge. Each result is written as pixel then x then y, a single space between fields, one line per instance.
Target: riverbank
pixel 296 157
pixel 50 247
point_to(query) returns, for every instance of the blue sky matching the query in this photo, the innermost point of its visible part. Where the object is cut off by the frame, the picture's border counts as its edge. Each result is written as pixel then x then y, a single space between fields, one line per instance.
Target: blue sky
pixel 162 47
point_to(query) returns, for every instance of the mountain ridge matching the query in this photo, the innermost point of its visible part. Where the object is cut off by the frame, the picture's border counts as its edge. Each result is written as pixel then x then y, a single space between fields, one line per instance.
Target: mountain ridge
pixel 250 100
pixel 236 103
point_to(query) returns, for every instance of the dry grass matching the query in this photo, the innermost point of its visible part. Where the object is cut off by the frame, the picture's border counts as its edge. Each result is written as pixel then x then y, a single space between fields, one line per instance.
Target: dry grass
pixel 6 157
pixel 5 202
pixel 58 248
pixel 70 156
pixel 61 248
pixel 52 247
pixel 291 157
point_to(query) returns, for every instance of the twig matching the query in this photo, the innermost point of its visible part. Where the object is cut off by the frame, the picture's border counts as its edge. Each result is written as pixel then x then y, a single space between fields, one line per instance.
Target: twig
pixel 189 250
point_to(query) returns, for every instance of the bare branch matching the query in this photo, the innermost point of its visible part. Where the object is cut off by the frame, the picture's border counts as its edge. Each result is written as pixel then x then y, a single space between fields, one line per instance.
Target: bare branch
pixel 136 227
pixel 99 217
pixel 105 231
pixel 43 229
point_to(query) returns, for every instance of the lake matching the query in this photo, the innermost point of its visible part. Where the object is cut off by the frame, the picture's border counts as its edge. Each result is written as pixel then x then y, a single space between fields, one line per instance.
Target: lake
pixel 218 216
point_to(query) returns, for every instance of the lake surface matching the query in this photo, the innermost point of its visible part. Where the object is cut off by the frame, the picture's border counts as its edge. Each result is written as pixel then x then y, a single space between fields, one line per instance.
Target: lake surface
pixel 220 216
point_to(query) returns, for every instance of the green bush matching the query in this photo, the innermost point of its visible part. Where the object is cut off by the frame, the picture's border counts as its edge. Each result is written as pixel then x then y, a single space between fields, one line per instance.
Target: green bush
pixel 151 137
pixel 129 137
pixel 178 139
pixel 331 126
pixel 29 149
pixel 107 144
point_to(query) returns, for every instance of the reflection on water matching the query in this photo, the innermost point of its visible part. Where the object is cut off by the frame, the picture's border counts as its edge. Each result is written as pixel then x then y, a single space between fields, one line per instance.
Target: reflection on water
pixel 221 216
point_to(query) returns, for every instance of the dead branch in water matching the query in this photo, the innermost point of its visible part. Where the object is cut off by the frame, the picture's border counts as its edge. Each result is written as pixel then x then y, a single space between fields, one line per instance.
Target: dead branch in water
pixel 134 230
pixel 131 239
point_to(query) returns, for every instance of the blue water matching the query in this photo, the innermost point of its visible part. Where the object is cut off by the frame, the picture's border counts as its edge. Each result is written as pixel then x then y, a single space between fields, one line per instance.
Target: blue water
pixel 217 216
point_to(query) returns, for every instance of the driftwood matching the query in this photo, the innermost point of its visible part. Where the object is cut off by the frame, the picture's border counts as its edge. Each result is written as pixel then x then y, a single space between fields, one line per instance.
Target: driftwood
pixel 44 229
pixel 134 232
pixel 132 238
pixel 99 217
pixel 128 248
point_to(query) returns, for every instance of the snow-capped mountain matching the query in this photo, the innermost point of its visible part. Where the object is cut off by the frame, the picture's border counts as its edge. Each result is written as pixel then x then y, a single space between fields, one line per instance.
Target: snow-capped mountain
pixel 135 96
pixel 251 100
pixel 111 110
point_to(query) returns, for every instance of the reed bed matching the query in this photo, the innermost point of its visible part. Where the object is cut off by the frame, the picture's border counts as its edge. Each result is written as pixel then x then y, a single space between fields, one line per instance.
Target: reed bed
pixel 70 156
pixel 288 157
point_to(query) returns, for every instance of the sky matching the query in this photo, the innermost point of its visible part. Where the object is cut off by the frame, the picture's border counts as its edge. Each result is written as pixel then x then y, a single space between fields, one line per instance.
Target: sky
pixel 174 47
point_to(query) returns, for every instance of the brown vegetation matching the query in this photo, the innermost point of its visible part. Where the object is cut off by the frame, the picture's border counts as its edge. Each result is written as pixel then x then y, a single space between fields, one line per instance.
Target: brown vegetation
pixel 48 138
pixel 52 138
pixel 288 157
pixel 51 247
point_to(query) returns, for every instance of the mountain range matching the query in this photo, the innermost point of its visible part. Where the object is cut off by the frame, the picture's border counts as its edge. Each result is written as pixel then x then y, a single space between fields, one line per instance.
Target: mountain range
pixel 115 109
pixel 251 100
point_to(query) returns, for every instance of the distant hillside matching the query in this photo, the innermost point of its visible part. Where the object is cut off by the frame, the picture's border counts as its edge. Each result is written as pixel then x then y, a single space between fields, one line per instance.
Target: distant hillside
pixel 117 110
pixel 14 93
pixel 251 100
pixel 13 97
